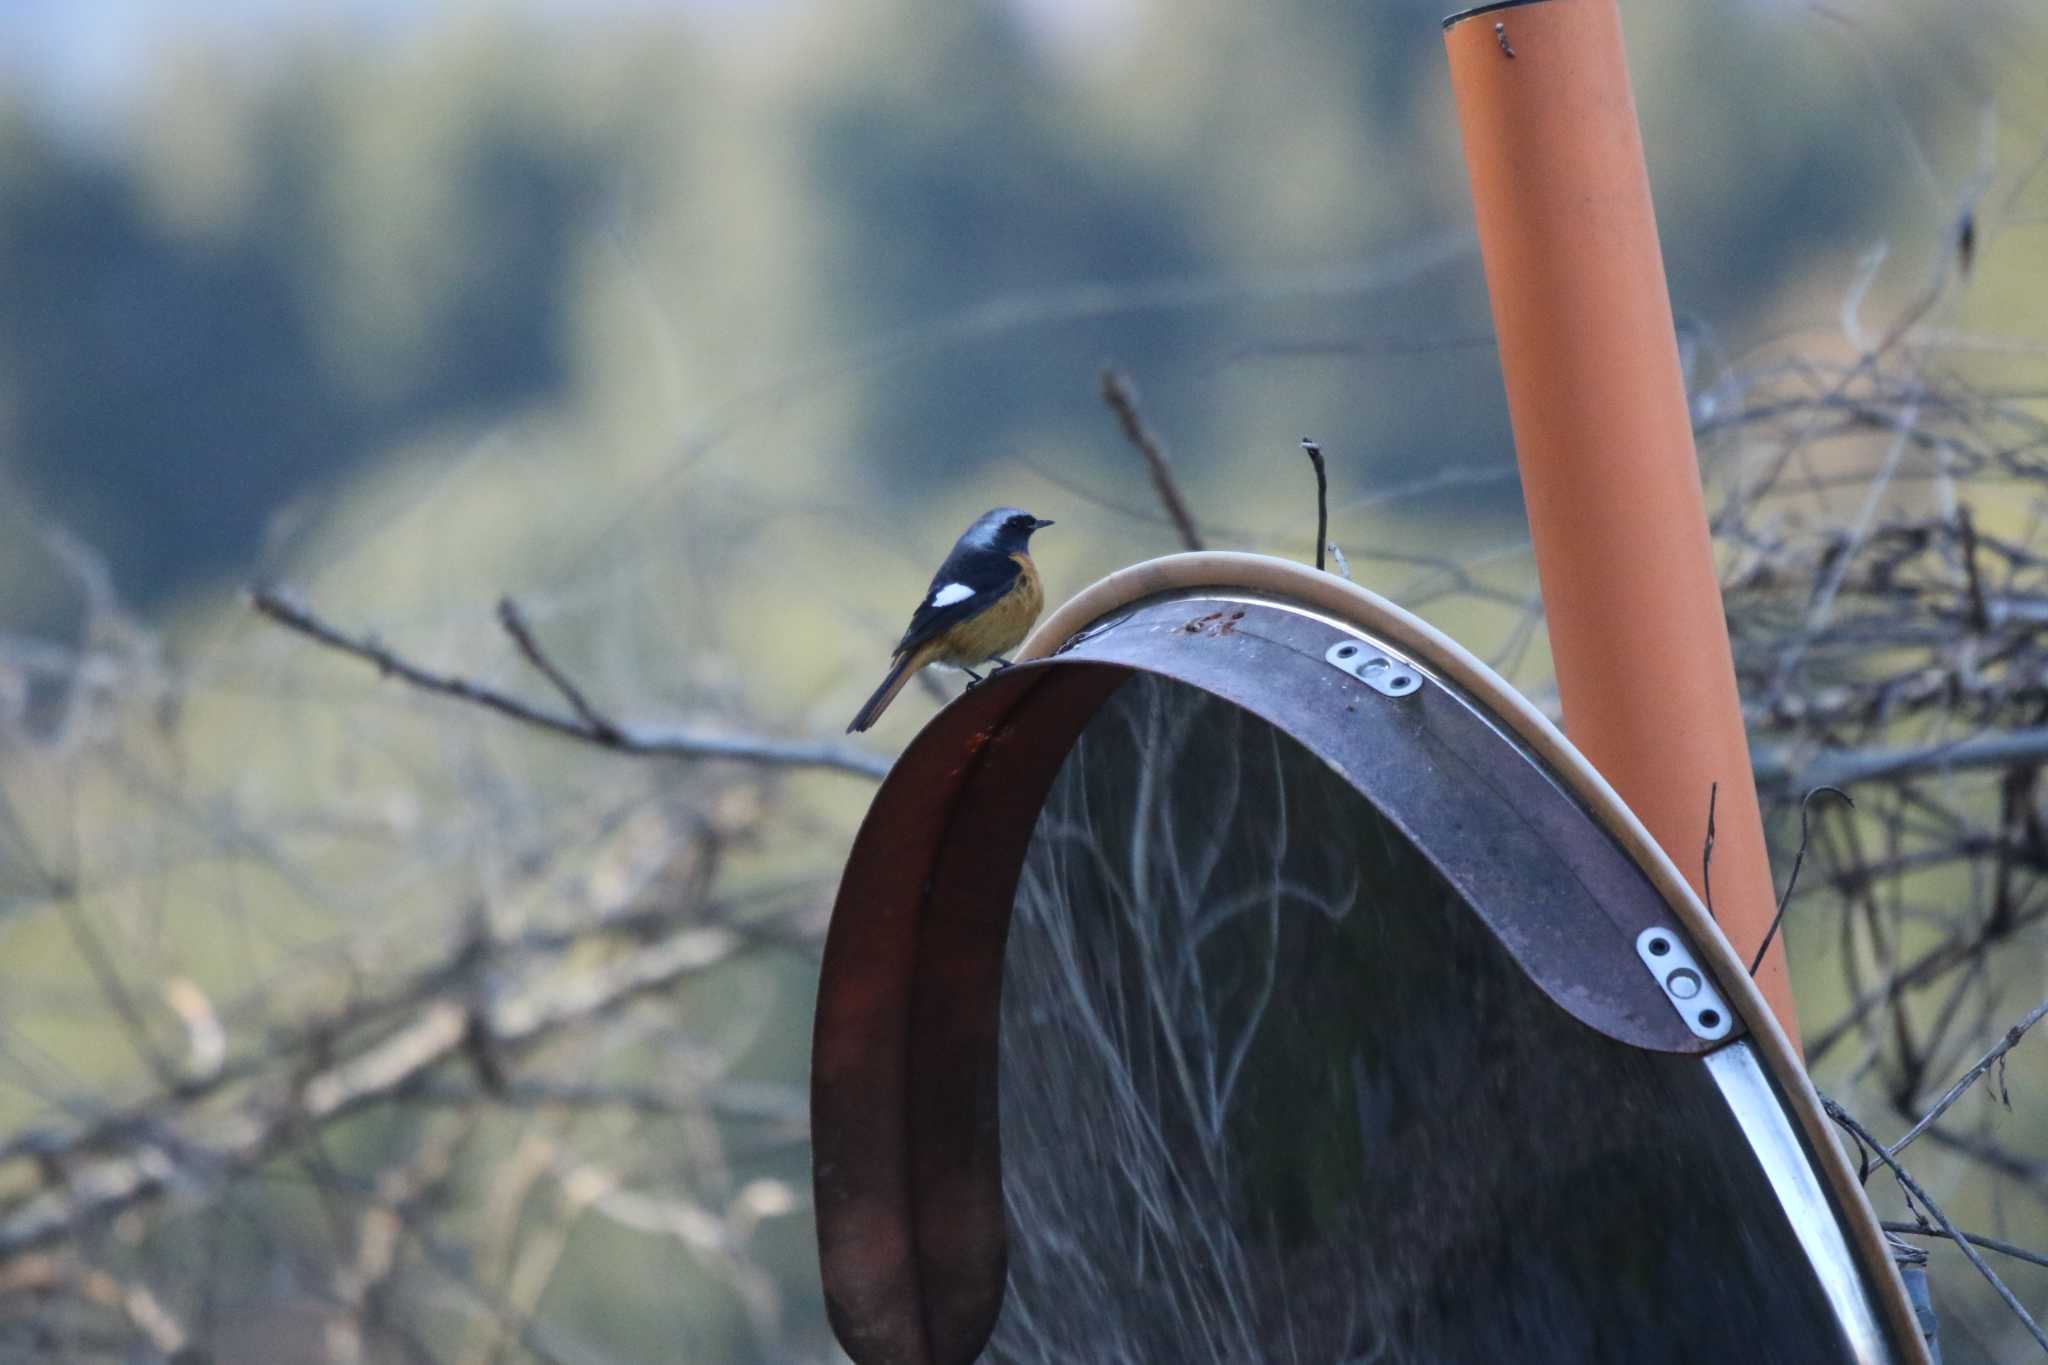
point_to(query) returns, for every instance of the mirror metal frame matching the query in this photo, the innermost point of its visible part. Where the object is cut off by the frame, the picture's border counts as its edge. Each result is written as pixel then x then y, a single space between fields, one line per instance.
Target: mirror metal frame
pixel 904 1117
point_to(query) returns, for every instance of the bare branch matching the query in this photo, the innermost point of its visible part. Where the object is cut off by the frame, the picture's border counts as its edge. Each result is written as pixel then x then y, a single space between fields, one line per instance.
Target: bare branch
pixel 1122 397
pixel 2018 1253
pixel 184 1138
pixel 100 963
pixel 1972 1076
pixel 1912 1187
pixel 641 742
pixel 601 727
pixel 1980 612
pixel 1791 881
pixel 133 1302
pixel 1315 457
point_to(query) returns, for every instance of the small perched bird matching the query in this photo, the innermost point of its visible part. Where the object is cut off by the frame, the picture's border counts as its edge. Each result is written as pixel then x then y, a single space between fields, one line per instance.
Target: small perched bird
pixel 980 606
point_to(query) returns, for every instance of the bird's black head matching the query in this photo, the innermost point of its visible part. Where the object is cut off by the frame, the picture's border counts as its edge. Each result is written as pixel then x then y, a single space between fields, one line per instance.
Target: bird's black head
pixel 1007 529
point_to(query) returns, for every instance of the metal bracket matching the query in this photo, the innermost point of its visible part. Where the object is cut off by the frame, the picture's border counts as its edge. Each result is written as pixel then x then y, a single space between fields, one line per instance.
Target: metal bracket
pixel 1689 989
pixel 1383 672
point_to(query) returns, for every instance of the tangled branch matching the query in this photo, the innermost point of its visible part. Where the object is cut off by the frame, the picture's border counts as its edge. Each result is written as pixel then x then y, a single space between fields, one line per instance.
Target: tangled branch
pixel 199 1135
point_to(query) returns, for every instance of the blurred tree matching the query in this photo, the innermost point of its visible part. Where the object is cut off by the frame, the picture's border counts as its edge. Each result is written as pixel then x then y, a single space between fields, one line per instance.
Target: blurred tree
pixel 389 247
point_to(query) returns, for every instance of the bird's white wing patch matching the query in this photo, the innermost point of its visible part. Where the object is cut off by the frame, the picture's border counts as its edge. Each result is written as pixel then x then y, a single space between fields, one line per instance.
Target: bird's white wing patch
pixel 951 593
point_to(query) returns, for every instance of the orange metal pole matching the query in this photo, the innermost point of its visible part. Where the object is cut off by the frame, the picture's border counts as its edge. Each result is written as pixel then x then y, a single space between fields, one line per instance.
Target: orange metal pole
pixel 1597 400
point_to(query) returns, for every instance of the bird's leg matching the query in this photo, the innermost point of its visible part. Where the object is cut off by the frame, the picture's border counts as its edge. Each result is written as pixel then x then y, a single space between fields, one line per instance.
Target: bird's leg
pixel 971 674
pixel 1001 664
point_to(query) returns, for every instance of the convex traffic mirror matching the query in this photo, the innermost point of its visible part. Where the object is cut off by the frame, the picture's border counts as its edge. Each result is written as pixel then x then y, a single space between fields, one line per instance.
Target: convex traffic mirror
pixel 1254 977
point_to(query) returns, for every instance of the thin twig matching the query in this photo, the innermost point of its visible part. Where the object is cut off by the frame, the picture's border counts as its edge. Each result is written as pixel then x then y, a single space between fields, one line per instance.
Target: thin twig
pixel 514 621
pixel 2018 1253
pixel 92 949
pixel 1707 854
pixel 1973 1075
pixel 1966 527
pixel 1315 457
pixel 1798 861
pixel 637 741
pixel 1912 1187
pixel 1122 397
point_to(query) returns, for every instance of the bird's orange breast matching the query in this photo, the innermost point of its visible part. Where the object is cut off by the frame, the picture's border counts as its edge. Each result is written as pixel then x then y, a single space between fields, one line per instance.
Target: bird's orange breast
pixel 999 629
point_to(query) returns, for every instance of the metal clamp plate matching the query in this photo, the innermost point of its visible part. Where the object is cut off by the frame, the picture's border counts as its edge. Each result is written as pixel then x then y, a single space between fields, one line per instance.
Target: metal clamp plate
pixel 1689 989
pixel 1378 669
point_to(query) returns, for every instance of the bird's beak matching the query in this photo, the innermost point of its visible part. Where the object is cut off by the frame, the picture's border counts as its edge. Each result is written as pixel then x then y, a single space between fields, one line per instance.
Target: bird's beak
pixel 1040 524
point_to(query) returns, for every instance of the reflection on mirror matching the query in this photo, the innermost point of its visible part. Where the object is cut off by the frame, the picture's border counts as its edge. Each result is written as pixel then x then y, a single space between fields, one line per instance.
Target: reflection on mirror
pixel 1270 1092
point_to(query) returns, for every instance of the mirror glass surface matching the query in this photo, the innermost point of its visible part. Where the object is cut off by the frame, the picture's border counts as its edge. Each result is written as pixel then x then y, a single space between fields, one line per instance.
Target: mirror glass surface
pixel 1270 1092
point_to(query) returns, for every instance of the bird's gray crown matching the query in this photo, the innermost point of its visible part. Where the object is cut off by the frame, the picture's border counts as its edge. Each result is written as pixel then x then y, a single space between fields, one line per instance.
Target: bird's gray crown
pixel 1003 528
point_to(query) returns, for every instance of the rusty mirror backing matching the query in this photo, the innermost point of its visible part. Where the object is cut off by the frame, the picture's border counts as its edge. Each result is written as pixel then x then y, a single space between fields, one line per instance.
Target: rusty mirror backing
pixel 1233 986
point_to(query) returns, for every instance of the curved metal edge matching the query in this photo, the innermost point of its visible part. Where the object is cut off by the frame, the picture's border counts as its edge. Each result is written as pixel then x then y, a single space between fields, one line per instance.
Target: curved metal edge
pixel 1747 1089
pixel 956 1176
pixel 860 1055
pixel 904 1284
pixel 1225 571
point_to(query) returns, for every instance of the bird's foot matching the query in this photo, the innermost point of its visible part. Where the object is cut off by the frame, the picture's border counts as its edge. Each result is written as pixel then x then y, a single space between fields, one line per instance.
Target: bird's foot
pixel 1001 664
pixel 974 679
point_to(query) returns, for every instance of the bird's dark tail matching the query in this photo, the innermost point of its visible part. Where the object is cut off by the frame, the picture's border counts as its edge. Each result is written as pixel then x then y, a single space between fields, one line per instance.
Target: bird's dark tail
pixel 899 674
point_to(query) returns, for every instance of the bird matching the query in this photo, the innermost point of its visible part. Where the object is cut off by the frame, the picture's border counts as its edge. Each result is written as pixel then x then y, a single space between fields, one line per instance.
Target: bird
pixel 980 606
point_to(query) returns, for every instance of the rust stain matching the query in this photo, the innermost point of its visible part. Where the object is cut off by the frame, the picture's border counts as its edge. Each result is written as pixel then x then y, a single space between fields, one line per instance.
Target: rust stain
pixel 1215 623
